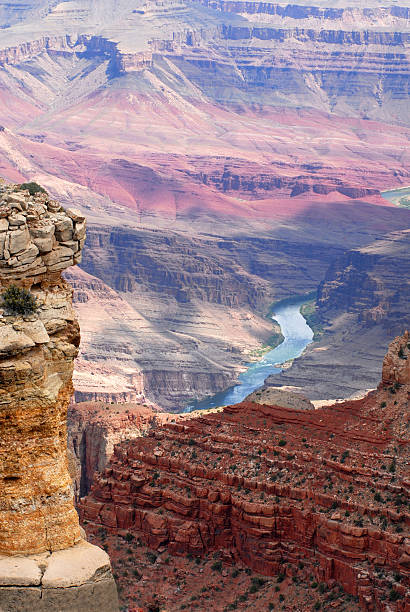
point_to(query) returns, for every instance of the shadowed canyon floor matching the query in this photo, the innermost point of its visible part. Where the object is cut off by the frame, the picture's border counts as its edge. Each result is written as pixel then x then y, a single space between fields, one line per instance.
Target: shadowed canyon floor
pixel 318 498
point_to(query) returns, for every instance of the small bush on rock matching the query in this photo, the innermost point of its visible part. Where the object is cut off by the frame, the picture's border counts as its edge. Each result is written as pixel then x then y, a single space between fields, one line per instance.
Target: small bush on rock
pixel 18 301
pixel 32 188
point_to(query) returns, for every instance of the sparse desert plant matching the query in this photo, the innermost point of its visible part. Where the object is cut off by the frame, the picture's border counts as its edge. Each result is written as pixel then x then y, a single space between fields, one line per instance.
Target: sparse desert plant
pixel 32 188
pixel 18 301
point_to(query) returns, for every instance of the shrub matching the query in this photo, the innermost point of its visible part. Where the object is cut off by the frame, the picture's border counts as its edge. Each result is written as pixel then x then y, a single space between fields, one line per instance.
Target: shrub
pixel 152 557
pixel 257 583
pixel 282 442
pixel 394 595
pixel 344 456
pixel 18 301
pixel 217 566
pixel 32 187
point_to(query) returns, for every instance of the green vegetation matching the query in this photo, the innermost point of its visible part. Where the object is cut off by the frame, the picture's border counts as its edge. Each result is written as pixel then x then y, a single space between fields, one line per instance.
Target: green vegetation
pixel 18 301
pixel 309 311
pixel 394 595
pixel 256 584
pixel 152 557
pixel 272 342
pixel 32 187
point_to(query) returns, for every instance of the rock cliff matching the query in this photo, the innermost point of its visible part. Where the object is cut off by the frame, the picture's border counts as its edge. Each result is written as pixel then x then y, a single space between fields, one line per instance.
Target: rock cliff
pixel 362 302
pixel 38 240
pixel 94 428
pixel 194 304
pixel 304 493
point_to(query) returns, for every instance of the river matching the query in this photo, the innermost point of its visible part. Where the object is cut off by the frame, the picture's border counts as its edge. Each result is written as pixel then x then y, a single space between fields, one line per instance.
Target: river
pixel 297 335
pixel 400 196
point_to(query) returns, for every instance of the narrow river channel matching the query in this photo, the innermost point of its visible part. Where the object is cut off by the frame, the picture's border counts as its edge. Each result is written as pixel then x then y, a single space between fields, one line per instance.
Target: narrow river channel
pixel 297 335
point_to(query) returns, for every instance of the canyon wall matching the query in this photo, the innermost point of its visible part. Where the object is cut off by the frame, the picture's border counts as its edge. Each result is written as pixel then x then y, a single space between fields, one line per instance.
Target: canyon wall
pixel 302 493
pixel 94 428
pixel 362 301
pixel 39 528
pixel 194 308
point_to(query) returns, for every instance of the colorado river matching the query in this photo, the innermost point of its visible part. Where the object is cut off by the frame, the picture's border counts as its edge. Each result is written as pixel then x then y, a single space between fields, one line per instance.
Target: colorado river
pixel 297 336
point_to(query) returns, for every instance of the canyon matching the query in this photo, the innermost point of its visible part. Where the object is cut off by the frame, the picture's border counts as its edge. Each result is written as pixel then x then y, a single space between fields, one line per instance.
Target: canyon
pixel 363 299
pixel 94 428
pixel 313 497
pixel 226 154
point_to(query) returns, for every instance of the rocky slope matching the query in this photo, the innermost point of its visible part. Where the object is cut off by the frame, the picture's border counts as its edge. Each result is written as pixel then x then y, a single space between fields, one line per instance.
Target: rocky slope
pixel 362 301
pixel 307 493
pixel 44 562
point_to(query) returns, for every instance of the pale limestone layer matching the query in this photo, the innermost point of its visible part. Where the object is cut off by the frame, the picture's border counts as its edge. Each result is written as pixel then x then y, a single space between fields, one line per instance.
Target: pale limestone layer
pixel 37 236
pixel 280 397
pixel 78 578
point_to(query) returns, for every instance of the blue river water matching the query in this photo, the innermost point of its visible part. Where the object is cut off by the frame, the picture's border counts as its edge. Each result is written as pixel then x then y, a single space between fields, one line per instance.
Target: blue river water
pixel 297 336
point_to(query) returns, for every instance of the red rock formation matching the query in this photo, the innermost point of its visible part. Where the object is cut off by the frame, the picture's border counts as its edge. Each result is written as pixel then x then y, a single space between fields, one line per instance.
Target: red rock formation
pixel 95 427
pixel 324 491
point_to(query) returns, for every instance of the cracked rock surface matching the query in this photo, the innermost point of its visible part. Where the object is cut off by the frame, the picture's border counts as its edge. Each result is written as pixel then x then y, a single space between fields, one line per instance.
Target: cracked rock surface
pixel 44 562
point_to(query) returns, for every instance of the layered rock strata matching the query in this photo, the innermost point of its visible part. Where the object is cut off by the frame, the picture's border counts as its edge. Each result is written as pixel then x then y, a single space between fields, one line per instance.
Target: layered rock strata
pixel 362 302
pixel 38 240
pixel 94 428
pixel 320 493
pixel 260 118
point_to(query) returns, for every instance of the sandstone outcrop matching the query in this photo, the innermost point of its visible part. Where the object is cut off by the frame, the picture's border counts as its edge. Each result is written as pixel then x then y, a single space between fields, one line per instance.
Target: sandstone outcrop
pixel 37 350
pixel 279 397
pixel 320 493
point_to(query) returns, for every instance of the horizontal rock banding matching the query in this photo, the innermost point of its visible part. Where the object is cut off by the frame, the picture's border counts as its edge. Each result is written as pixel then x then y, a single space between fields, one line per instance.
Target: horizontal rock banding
pixel 38 240
pixel 274 486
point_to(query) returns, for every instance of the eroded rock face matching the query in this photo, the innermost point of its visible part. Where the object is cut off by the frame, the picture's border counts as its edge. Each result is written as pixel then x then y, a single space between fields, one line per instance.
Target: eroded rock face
pixel 362 303
pixel 396 365
pixel 94 428
pixel 44 562
pixel 310 492
pixel 37 351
